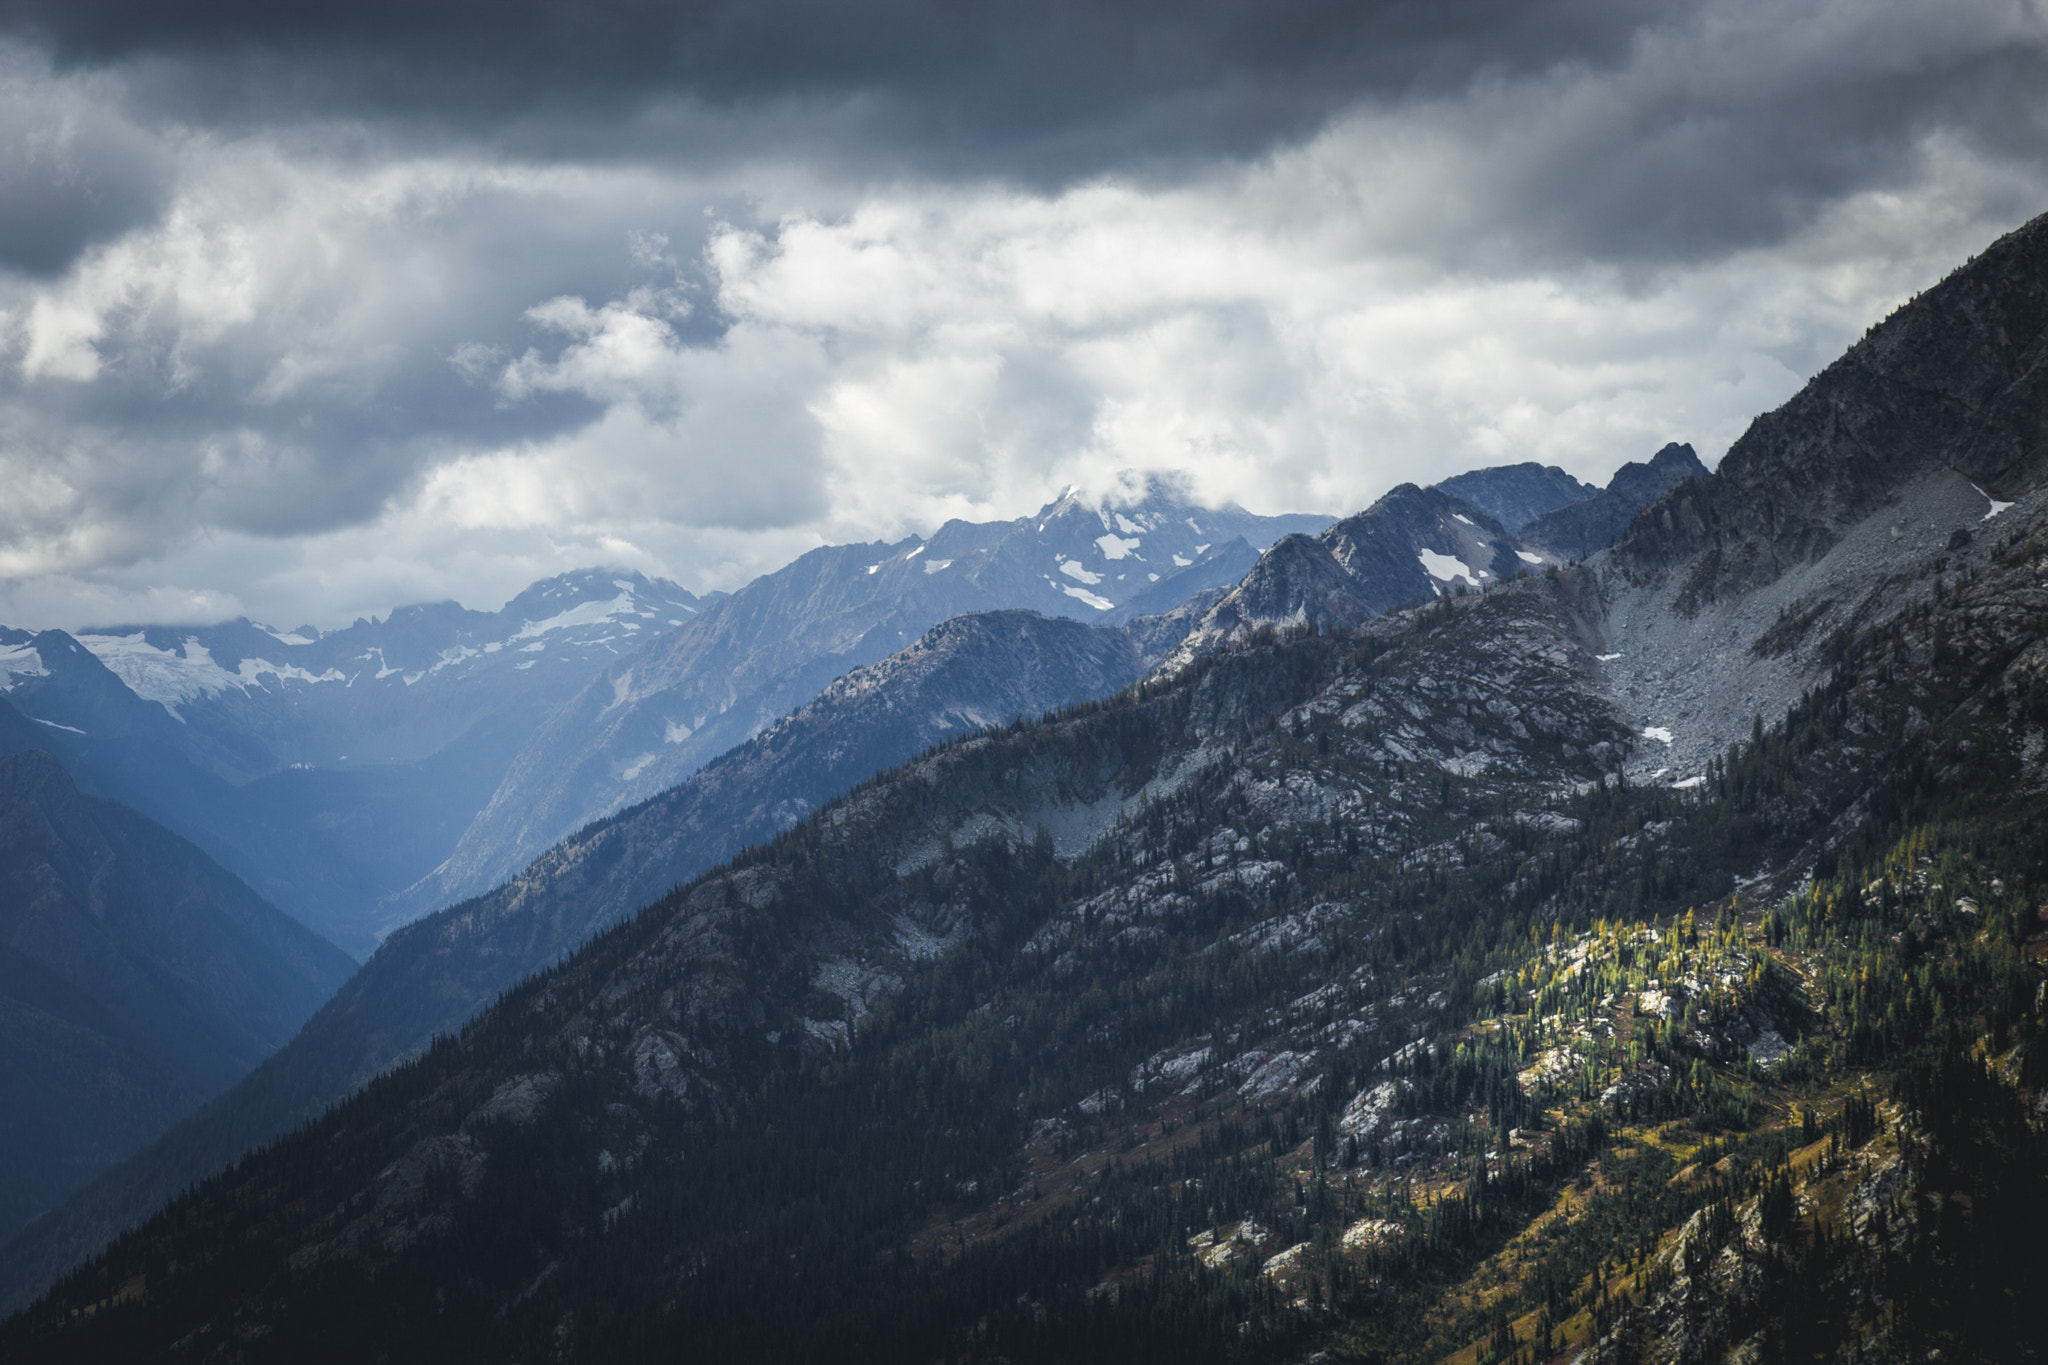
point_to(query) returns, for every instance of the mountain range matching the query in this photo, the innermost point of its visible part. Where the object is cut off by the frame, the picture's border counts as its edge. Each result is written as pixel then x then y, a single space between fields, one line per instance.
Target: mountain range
pixel 654 717
pixel 971 671
pixel 361 777
pixel 1455 948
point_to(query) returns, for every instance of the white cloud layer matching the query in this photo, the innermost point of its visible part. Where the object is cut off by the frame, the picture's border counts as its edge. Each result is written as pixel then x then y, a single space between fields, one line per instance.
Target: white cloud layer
pixel 323 374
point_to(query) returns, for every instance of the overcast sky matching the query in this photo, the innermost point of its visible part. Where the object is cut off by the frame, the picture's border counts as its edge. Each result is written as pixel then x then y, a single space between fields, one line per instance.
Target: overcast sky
pixel 308 310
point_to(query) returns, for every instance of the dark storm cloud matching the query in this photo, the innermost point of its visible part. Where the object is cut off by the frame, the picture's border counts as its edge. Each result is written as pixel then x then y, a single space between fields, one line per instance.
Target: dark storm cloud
pixel 1045 90
pixel 1721 147
pixel 419 280
pixel 69 177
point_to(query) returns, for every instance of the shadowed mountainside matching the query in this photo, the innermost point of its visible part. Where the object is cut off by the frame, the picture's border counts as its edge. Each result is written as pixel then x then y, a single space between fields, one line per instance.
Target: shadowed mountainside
pixel 137 977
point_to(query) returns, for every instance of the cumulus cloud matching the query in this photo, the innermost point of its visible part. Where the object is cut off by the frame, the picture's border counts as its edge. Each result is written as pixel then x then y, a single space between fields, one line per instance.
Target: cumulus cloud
pixel 288 328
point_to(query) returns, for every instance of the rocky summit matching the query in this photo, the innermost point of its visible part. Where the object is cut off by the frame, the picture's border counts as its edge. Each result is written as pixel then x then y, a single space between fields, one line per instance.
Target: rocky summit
pixel 1451 951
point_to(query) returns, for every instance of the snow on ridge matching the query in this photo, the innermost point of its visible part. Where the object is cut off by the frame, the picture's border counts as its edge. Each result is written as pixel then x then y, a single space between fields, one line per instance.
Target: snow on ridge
pixel 20 661
pixel 170 677
pixel 583 614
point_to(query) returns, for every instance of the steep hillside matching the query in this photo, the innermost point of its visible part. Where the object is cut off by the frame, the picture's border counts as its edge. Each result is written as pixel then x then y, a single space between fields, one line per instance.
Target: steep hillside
pixel 136 979
pixel 428 978
pixel 1381 1019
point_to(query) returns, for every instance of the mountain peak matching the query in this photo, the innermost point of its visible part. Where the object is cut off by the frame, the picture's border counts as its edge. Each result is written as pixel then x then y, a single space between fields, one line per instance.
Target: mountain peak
pixel 1956 379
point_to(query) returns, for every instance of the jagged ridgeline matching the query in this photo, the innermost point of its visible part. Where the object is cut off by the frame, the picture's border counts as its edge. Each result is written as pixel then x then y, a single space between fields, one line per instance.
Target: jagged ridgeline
pixel 1337 994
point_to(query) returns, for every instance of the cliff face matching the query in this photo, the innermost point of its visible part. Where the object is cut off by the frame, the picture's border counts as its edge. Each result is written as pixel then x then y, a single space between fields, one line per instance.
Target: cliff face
pixel 1956 381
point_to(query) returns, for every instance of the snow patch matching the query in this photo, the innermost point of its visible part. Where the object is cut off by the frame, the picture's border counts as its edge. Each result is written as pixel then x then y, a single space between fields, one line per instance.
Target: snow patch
pixel 20 661
pixel 636 767
pixel 1467 520
pixel 583 614
pixel 1072 569
pixel 1445 567
pixel 1127 526
pixel 1690 782
pixel 1083 595
pixel 1996 505
pixel 672 733
pixel 1115 547
pixel 1607 658
pixel 55 726
pixel 1182 560
pixel 934 565
pixel 1658 733
pixel 1528 558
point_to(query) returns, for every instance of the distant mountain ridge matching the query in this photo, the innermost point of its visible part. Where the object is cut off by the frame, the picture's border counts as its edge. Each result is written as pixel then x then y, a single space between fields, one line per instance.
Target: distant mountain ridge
pixel 653 718
pixel 326 770
pixel 1516 494
pixel 1417 544
pixel 1578 529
